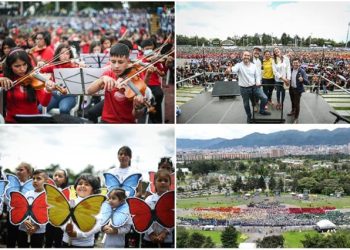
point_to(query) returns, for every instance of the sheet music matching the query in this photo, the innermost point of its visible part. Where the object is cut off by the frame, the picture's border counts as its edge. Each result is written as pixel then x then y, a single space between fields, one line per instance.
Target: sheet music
pixel 95 60
pixel 77 80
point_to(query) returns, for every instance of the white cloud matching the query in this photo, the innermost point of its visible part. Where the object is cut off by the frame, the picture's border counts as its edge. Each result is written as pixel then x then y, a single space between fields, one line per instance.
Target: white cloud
pixel 223 19
pixel 75 147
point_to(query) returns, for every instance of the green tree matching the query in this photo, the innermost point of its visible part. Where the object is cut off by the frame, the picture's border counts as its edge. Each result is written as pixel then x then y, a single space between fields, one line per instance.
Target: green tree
pixel 180 175
pixel 272 183
pixel 182 237
pixel 307 183
pixel 340 239
pixel 242 167
pixel 280 184
pixel 208 243
pixel 284 39
pixel 196 240
pixel 261 183
pixel 238 185
pixel 275 241
pixel 229 237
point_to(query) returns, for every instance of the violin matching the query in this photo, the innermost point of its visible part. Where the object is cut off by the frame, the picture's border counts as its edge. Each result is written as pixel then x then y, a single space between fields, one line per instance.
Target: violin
pixel 135 85
pixel 37 82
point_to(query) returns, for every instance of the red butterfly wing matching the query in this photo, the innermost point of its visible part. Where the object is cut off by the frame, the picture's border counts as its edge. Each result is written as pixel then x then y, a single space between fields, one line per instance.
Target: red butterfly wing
pixel 51 182
pixel 172 185
pixel 165 209
pixel 141 214
pixel 151 182
pixel 66 193
pixel 39 209
pixel 19 208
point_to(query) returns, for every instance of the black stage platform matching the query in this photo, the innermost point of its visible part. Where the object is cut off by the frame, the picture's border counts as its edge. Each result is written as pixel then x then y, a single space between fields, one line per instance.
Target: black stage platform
pixel 207 109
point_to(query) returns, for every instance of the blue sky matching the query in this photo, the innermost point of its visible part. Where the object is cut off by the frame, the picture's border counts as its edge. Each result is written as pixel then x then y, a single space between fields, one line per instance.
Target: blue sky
pixel 222 19
pixel 206 131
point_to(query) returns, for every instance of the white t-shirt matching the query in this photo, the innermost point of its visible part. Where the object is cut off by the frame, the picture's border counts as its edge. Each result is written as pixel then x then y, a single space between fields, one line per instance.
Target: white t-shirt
pixel 247 74
pixel 31 195
pixel 83 239
pixel 123 173
pixel 118 240
pixel 151 201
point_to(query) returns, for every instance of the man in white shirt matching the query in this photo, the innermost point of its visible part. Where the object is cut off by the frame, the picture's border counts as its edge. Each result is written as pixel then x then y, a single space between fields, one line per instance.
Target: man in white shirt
pixel 248 80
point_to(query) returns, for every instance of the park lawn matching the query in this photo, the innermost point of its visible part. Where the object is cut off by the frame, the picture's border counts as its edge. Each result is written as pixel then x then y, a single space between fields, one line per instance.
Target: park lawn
pixel 293 239
pixel 209 201
pixel 223 201
pixel 322 200
pixel 216 236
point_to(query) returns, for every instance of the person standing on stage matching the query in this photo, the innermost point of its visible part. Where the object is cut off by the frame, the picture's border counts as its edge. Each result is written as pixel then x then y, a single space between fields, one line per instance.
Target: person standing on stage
pixel 281 70
pixel 257 60
pixel 268 80
pixel 248 79
pixel 299 78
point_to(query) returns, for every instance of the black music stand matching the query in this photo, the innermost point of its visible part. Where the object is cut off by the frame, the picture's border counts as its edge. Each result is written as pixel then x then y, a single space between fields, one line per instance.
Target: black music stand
pixel 77 80
pixel 40 118
pixel 95 60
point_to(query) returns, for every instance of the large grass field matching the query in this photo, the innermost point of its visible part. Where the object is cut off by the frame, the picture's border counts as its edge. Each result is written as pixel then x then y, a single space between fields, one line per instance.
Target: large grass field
pixel 216 236
pixel 222 201
pixel 293 239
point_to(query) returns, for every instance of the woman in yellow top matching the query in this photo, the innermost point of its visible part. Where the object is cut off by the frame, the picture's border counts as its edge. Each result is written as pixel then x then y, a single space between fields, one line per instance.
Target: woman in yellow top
pixel 268 79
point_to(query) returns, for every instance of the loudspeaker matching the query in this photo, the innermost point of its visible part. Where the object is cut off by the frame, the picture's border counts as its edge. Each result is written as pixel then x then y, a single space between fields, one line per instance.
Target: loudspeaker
pixel 226 89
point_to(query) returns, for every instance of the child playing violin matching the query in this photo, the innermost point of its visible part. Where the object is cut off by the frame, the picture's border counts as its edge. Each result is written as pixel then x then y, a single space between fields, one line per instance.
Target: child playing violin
pixel 117 107
pixel 42 52
pixel 22 98
pixel 63 56
pixel 153 77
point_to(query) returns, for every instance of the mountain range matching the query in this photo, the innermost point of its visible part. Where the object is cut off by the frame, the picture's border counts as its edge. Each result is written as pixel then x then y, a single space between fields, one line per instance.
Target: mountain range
pixel 338 136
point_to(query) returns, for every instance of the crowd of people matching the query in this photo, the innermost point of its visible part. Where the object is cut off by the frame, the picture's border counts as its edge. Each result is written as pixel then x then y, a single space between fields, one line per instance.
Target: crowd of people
pixel 329 63
pixel 46 43
pixel 277 216
pixel 70 234
pixel 278 68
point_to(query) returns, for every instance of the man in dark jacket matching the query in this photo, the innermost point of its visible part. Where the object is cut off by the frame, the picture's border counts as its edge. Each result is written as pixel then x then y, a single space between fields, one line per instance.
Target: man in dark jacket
pixel 299 78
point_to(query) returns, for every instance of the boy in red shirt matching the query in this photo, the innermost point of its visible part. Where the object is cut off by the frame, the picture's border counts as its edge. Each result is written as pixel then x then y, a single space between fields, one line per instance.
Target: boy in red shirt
pixel 117 108
pixel 153 77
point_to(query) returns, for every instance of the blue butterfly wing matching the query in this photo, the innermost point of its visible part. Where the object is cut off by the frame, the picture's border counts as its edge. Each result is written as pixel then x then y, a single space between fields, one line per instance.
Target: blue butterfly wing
pixel 2 188
pixel 111 181
pixel 14 184
pixel 106 213
pixel 2 191
pixel 130 184
pixel 27 186
pixel 120 215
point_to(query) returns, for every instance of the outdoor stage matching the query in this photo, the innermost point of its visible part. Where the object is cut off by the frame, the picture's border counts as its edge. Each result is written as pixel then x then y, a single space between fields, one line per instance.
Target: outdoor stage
pixel 204 108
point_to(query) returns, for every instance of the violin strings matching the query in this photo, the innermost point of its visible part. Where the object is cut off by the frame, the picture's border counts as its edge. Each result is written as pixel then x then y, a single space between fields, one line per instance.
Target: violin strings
pixel 22 78
pixel 145 68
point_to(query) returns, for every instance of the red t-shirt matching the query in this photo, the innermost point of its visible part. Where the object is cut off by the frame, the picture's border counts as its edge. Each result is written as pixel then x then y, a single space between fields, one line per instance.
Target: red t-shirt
pixel 154 79
pixel 17 103
pixel 44 54
pixel 117 108
pixel 50 68
pixel 85 48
